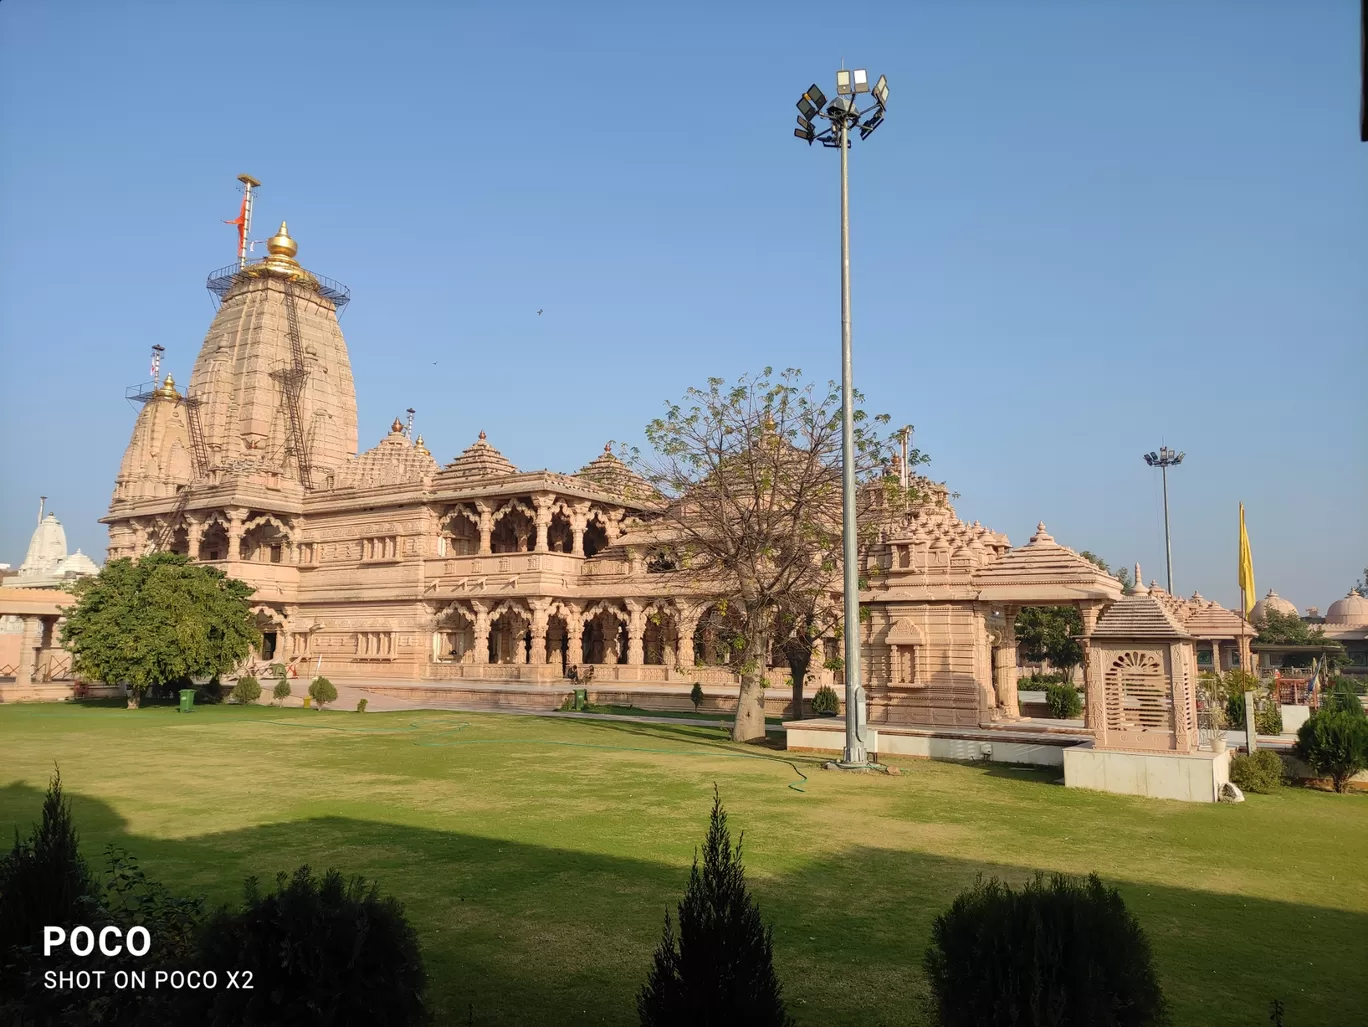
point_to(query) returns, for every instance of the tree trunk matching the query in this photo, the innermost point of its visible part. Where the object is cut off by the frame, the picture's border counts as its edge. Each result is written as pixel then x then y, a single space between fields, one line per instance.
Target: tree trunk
pixel 798 668
pixel 750 704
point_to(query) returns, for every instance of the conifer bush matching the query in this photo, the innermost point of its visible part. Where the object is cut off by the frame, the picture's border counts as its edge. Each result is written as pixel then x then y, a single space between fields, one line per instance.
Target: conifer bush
pixel 1341 697
pixel 696 695
pixel 321 951
pixel 246 691
pixel 825 702
pixel 1054 953
pixel 361 705
pixel 322 691
pixel 44 879
pixel 281 692
pixel 719 969
pixel 1334 743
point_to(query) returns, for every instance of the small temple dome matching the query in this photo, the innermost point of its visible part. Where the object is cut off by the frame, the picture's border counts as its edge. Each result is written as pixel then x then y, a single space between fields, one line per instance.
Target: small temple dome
pixel 78 565
pixel 1272 601
pixel 1351 611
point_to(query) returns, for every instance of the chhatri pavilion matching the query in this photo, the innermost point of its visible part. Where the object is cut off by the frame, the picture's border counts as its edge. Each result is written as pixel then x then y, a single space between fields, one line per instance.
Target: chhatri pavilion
pixel 386 566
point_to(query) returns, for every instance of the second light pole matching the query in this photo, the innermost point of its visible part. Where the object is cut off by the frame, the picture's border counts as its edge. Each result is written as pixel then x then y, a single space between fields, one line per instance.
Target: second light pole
pixel 842 115
pixel 1164 459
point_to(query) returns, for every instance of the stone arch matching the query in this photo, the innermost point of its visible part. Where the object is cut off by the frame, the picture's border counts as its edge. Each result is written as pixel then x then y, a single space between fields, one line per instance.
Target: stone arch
pixel 660 632
pixel 453 638
pixel 458 533
pixel 265 539
pixel 514 528
pixel 604 638
pixel 510 636
pixel 905 643
pixel 271 623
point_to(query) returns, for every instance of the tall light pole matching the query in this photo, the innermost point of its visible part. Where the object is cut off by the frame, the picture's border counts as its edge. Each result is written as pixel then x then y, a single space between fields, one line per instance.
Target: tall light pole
pixel 842 115
pixel 1164 459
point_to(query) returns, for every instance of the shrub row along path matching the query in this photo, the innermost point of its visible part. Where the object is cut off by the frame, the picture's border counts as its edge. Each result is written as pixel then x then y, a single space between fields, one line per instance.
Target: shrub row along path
pixel 537 855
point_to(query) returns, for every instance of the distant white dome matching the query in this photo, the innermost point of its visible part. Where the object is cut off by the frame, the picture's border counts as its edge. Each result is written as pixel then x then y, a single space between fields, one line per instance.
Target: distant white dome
pixel 47 548
pixel 1272 601
pixel 77 565
pixel 1351 611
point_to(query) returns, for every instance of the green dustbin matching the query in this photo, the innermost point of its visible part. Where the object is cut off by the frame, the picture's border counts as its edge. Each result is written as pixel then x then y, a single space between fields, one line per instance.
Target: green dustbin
pixel 581 698
pixel 187 703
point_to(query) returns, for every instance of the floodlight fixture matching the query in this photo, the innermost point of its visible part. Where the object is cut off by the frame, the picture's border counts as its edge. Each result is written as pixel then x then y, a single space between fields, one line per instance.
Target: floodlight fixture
pixel 875 120
pixel 807 108
pixel 861 80
pixel 806 134
pixel 880 90
pixel 815 95
pixel 844 86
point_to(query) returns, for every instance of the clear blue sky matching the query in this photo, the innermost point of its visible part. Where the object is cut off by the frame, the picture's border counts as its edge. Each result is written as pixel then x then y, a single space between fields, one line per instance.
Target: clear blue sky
pixel 1086 228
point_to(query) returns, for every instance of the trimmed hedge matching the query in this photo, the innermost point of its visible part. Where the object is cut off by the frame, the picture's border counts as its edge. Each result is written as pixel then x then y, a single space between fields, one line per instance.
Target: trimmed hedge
pixel 246 691
pixel 1063 702
pixel 1259 771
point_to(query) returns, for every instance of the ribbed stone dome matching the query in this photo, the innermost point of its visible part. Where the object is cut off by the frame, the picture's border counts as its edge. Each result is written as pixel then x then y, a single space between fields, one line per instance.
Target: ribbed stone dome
pixel 46 549
pixel 1351 611
pixel 1272 601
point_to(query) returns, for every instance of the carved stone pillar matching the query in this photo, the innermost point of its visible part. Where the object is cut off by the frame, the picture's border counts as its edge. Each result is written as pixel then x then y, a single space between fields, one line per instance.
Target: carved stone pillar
pixel 542 502
pixel 486 527
pixel 194 531
pixel 684 645
pixel 539 620
pixel 574 638
pixel 481 631
pixel 636 631
pixel 235 519
pixel 1215 656
pixel 1005 666
pixel 30 639
pixel 1180 691
pixel 1094 687
pixel 635 562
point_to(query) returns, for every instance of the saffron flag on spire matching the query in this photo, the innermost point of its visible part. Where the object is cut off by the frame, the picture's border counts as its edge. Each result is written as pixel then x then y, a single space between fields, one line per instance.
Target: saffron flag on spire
pixel 1246 568
pixel 241 222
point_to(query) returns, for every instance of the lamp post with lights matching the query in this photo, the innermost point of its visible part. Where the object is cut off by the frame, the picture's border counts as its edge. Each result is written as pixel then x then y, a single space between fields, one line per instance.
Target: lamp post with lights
pixel 842 115
pixel 1164 459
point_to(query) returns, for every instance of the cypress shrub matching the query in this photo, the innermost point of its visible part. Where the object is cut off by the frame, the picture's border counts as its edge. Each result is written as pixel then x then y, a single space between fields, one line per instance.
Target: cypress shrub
pixel 696 695
pixel 44 879
pixel 1063 701
pixel 1335 744
pixel 1066 952
pixel 1342 697
pixel 719 969
pixel 1259 771
pixel 246 691
pixel 322 691
pixel 329 951
pixel 825 702
pixel 281 692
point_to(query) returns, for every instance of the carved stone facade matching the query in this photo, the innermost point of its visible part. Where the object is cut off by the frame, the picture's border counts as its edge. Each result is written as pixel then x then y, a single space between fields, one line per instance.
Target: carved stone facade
pixel 385 564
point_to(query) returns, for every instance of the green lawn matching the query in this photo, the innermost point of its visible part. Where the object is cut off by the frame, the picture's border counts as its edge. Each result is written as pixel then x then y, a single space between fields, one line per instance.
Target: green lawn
pixel 537 856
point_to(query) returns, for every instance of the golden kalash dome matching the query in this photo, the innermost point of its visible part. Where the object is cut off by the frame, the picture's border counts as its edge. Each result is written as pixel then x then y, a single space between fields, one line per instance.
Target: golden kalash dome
pixel 280 260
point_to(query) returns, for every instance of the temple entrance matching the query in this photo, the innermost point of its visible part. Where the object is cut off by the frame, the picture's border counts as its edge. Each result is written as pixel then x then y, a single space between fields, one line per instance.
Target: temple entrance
pixel 268 645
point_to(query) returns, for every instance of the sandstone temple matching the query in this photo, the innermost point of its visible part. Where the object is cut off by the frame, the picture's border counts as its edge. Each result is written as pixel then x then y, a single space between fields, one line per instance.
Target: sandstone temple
pixel 386 565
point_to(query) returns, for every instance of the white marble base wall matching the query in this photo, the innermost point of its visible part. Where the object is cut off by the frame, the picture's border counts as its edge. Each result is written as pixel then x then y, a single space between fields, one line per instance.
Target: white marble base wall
pixel 1188 777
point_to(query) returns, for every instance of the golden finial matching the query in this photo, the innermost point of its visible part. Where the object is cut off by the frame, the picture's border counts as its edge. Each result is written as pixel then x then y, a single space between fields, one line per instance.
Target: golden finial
pixel 280 244
pixel 397 427
pixel 482 435
pixel 168 388
pixel 418 445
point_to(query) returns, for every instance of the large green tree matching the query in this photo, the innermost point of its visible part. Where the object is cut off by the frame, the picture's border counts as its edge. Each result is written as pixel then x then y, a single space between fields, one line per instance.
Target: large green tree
pixel 1050 633
pixel 751 472
pixel 1280 628
pixel 159 620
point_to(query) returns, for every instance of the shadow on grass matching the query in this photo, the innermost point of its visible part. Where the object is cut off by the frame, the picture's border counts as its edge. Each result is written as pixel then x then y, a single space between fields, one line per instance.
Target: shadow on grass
pixel 517 934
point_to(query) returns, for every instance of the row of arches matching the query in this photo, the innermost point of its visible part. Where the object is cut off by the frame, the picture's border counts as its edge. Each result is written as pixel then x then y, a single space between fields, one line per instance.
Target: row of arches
pixel 524 526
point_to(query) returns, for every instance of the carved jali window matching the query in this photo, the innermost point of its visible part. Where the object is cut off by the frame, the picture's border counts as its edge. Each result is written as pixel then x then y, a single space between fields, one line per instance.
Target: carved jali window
pixel 1139 696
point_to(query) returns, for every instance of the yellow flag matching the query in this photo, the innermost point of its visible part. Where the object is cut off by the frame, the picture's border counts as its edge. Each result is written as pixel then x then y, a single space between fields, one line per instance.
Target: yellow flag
pixel 1246 567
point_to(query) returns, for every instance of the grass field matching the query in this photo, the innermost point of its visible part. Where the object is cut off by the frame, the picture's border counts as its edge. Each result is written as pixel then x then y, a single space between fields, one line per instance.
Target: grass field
pixel 537 856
